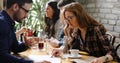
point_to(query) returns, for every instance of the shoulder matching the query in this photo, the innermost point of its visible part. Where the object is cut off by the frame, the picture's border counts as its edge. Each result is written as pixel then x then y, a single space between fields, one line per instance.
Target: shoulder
pixel 3 24
pixel 58 23
pixel 2 18
pixel 97 28
pixel 2 21
pixel 100 28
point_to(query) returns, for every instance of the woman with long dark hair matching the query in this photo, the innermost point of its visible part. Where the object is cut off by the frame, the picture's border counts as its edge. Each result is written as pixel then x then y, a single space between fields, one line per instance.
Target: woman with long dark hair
pixel 52 23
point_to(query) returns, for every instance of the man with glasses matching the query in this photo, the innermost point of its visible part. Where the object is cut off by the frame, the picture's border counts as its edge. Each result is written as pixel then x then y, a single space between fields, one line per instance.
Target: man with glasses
pixel 15 10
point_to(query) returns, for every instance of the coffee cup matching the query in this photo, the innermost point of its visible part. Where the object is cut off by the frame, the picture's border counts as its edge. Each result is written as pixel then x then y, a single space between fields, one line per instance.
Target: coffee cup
pixel 74 52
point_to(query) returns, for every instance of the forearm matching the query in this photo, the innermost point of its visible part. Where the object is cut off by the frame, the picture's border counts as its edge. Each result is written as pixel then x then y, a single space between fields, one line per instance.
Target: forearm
pixel 108 57
pixel 64 49
pixel 102 59
pixel 19 48
pixel 6 57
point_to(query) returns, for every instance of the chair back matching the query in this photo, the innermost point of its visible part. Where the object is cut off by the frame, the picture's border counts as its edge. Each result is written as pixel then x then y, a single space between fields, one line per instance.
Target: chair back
pixel 111 38
pixel 112 41
pixel 117 49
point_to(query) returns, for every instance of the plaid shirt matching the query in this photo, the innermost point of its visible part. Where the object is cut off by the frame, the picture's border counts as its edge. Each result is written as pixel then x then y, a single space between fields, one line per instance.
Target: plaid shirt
pixel 96 42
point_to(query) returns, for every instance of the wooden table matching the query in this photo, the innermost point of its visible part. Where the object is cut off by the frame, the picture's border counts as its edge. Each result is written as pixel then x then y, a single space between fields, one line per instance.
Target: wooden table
pixel 83 59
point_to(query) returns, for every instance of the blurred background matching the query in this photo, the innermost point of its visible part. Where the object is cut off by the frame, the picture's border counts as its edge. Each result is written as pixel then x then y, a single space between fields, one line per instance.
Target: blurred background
pixel 105 11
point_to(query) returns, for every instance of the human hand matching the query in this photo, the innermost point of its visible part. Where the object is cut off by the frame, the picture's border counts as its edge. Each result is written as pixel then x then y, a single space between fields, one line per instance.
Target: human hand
pixel 54 42
pixel 29 41
pixel 99 60
pixel 67 39
pixel 22 30
pixel 57 52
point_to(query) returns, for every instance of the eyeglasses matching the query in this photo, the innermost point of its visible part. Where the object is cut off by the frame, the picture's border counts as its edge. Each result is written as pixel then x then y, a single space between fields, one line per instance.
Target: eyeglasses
pixel 69 18
pixel 25 9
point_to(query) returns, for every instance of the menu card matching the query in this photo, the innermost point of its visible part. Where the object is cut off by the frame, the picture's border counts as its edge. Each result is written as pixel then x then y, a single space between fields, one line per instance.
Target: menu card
pixel 79 61
pixel 39 58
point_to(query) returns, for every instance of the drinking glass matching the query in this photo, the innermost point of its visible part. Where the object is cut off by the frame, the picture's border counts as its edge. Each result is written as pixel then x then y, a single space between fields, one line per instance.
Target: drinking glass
pixel 66 39
pixel 34 43
pixel 41 44
pixel 66 50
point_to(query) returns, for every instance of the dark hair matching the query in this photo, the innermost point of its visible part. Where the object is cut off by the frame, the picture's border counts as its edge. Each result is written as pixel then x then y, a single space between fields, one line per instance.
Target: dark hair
pixel 50 24
pixel 62 3
pixel 19 2
pixel 53 5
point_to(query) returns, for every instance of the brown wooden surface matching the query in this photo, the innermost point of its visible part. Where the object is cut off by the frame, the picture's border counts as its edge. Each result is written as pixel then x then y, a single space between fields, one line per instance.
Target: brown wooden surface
pixel 85 58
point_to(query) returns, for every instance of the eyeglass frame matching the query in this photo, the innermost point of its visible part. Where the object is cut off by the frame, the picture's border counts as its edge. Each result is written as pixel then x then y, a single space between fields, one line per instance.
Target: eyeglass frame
pixel 69 18
pixel 24 9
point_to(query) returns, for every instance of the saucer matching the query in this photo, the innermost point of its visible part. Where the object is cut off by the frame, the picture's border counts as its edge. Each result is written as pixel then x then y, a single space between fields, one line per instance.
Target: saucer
pixel 75 57
pixel 83 53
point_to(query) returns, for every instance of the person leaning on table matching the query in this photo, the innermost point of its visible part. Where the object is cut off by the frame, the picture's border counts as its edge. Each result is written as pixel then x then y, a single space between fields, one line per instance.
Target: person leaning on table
pixel 16 10
pixel 92 34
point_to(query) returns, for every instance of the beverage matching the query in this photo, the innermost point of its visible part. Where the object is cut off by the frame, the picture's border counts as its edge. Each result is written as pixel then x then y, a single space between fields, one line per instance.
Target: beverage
pixel 41 45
